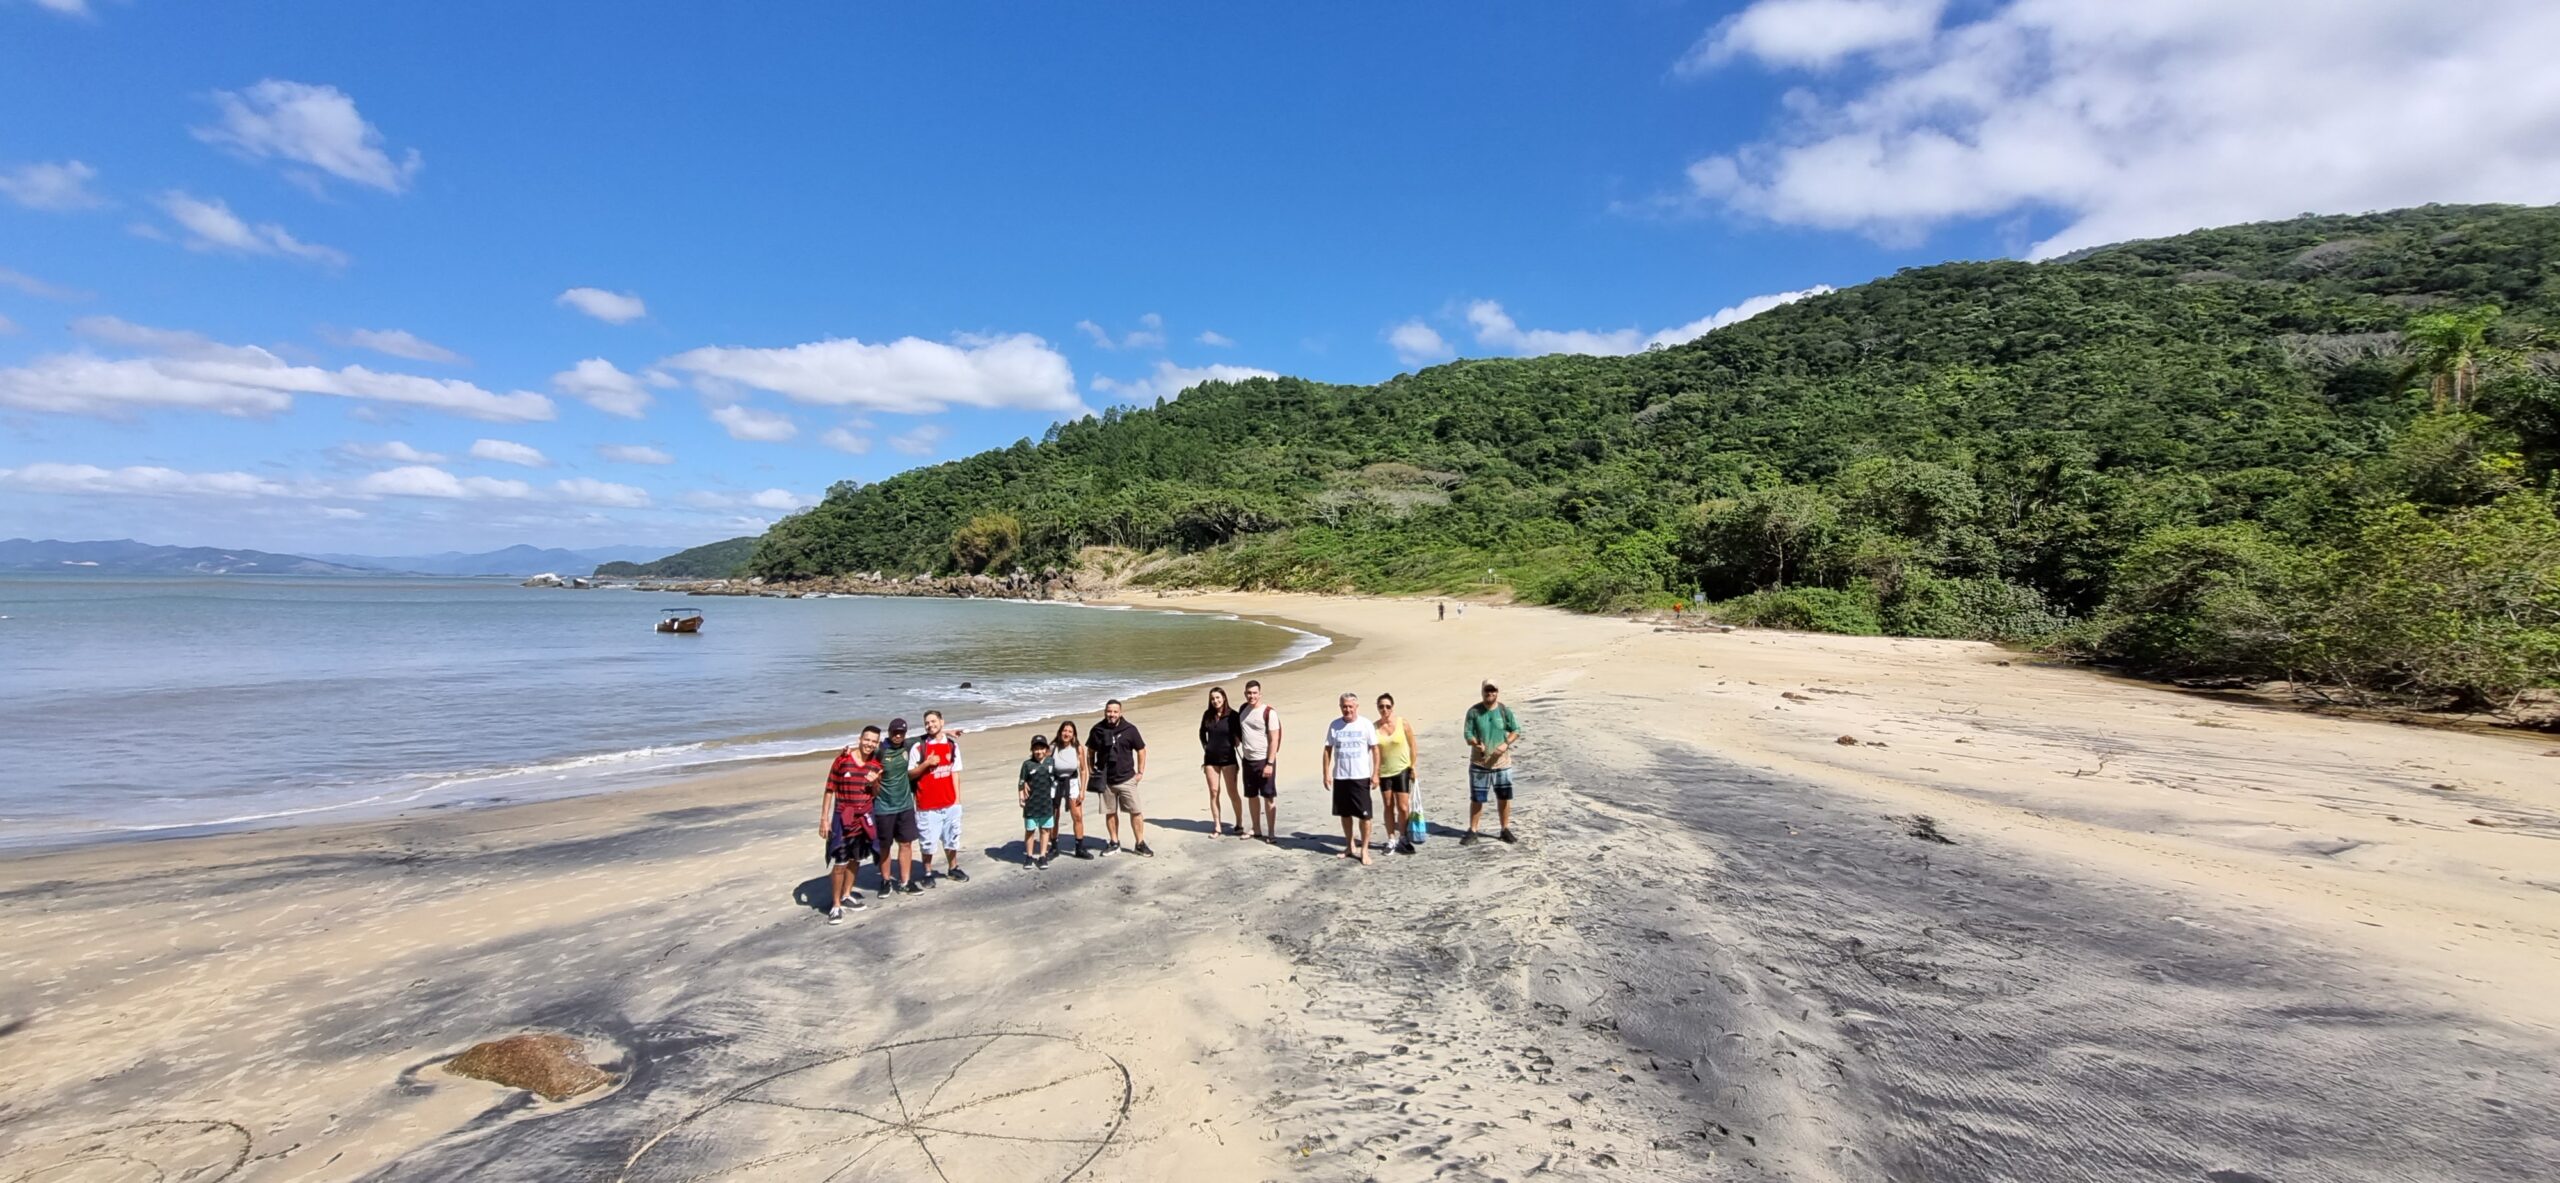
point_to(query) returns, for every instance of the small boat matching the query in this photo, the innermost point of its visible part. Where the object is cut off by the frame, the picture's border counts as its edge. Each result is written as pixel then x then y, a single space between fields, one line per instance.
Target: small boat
pixel 680 620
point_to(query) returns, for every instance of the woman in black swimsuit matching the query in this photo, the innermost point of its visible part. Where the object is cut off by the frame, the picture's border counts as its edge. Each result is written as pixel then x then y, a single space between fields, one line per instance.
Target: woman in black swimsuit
pixel 1221 729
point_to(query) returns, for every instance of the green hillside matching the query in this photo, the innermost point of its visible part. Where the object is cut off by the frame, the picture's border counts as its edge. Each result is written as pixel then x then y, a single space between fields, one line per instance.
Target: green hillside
pixel 712 560
pixel 2235 451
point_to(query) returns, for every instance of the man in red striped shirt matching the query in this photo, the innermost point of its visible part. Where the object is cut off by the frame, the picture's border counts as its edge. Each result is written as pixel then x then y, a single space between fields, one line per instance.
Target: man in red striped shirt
pixel 844 820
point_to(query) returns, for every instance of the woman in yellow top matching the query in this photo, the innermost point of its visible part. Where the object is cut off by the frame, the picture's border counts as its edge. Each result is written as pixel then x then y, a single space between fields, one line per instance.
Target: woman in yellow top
pixel 1398 756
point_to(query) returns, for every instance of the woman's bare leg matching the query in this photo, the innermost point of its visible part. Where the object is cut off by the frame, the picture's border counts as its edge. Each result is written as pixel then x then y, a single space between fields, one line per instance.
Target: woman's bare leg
pixel 1235 796
pixel 1209 773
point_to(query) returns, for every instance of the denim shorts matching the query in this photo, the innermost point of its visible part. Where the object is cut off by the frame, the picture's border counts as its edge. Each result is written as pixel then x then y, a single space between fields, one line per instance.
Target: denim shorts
pixel 938 829
pixel 1487 783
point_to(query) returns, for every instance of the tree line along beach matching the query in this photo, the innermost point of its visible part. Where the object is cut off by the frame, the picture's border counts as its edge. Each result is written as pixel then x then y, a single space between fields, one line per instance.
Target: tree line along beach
pixel 2027 921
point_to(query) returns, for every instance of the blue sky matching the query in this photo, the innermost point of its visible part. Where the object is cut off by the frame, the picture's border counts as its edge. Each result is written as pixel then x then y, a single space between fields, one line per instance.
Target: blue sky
pixel 393 277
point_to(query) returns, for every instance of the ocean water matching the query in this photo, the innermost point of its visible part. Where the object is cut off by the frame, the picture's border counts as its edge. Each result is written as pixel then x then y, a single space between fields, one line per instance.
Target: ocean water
pixel 156 705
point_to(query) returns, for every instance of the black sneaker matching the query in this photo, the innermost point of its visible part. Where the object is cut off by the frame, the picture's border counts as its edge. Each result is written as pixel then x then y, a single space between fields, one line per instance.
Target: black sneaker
pixel 1081 852
pixel 1142 849
pixel 1506 836
pixel 959 876
pixel 1469 840
pixel 1114 848
pixel 852 902
pixel 923 881
pixel 912 888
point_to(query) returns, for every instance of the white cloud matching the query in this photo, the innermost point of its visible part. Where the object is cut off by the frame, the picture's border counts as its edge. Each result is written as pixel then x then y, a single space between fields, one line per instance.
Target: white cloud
pixel 55 187
pixel 917 441
pixel 37 287
pixel 419 480
pixel 909 375
pixel 340 513
pixel 634 454
pixel 1215 339
pixel 777 500
pixel 211 226
pixel 8 327
pixel 609 307
pixel 603 494
pixel 1148 335
pixel 1417 343
pixel 312 126
pixel 190 370
pixel 394 451
pixel 1495 329
pixel 1813 33
pixel 852 438
pixel 65 7
pixel 1169 380
pixel 399 343
pixel 748 423
pixel 140 480
pixel 509 452
pixel 1736 313
pixel 605 387
pixel 2133 120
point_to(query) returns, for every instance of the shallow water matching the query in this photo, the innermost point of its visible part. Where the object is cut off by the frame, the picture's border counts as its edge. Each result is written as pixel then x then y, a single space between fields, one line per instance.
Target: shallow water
pixel 148 705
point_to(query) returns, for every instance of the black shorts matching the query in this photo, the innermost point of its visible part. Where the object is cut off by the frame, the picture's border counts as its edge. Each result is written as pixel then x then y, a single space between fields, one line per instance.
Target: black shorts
pixel 896 827
pixel 1401 782
pixel 1216 761
pixel 1351 798
pixel 1260 779
pixel 846 847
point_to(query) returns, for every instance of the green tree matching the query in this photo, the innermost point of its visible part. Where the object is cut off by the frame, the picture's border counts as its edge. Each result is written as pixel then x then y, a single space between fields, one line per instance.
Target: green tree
pixel 986 542
pixel 2450 350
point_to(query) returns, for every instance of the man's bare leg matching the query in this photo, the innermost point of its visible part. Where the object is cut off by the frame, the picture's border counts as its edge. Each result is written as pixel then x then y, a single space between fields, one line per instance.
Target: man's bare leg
pixel 1364 842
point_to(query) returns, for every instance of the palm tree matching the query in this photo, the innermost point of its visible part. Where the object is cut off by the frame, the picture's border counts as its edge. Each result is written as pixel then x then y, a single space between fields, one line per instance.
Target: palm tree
pixel 2452 349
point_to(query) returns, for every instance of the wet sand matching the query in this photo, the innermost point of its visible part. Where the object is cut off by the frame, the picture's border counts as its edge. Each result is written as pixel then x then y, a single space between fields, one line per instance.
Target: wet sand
pixel 2172 939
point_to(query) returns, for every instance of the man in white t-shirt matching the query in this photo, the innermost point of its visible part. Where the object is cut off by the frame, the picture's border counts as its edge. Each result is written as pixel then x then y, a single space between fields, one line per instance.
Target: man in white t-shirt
pixel 1351 763
pixel 1260 754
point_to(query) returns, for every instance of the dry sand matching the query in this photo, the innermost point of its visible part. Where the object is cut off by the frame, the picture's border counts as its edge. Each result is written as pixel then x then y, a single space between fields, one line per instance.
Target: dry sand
pixel 2174 938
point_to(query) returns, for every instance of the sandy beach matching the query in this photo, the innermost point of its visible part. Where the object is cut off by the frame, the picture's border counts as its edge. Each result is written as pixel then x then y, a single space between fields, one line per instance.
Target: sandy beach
pixel 1786 907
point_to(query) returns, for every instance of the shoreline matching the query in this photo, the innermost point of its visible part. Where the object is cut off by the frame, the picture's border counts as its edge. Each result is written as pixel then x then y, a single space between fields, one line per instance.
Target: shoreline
pixel 1719 914
pixel 414 800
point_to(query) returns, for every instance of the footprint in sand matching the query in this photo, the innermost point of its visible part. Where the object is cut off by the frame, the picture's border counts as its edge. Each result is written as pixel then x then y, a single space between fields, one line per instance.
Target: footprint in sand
pixel 1002 1107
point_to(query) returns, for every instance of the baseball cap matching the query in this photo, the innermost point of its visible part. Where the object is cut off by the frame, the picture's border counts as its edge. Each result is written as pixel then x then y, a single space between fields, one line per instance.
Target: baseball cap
pixel 897 725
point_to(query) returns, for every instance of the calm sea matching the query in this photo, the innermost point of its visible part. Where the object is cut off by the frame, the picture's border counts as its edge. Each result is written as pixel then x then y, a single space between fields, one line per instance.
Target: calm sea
pixel 133 706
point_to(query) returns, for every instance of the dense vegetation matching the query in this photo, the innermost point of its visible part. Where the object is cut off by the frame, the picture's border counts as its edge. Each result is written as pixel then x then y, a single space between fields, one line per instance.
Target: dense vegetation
pixel 711 560
pixel 2321 448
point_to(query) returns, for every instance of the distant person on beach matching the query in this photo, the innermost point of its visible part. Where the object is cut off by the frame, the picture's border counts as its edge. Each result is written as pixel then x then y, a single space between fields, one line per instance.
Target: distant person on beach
pixel 1119 756
pixel 1444 609
pixel 893 810
pixel 1259 750
pixel 844 820
pixel 1490 729
pixel 937 775
pixel 1351 765
pixel 1221 733
pixel 1038 791
pixel 1066 753
pixel 1397 769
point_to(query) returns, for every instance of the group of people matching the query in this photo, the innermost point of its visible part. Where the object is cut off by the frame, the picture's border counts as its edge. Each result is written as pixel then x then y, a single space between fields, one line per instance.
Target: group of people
pixel 894 799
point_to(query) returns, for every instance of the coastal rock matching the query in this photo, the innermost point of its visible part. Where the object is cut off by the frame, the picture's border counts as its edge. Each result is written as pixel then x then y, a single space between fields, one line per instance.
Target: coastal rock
pixel 546 579
pixel 554 1066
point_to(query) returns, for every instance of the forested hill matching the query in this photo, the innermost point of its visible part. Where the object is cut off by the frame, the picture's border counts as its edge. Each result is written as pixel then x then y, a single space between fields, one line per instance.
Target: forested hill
pixel 2210 453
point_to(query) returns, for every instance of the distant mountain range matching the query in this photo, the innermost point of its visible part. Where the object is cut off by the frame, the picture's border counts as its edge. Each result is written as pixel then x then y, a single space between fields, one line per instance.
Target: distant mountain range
pixel 514 560
pixel 124 556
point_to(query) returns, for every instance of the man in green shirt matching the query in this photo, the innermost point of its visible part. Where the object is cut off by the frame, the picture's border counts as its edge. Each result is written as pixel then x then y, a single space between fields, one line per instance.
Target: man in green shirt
pixel 893 810
pixel 1490 729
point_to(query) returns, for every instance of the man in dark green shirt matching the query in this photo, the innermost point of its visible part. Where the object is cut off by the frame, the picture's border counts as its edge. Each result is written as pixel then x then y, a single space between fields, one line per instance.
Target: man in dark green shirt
pixel 1490 729
pixel 893 810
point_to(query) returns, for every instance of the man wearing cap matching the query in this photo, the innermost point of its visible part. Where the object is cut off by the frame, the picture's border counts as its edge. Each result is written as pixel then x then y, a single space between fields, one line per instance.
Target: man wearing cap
pixel 937 778
pixel 893 810
pixel 1490 729
pixel 1119 761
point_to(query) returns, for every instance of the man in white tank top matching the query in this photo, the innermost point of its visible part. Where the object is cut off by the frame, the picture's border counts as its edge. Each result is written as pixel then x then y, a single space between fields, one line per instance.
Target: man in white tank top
pixel 1260 755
